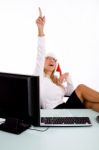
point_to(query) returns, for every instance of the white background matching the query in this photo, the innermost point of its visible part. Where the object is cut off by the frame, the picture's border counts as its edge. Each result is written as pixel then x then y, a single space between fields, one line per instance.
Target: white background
pixel 72 32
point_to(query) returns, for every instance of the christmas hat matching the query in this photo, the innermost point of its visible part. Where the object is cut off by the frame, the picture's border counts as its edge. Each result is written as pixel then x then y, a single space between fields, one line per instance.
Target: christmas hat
pixel 58 69
pixel 50 54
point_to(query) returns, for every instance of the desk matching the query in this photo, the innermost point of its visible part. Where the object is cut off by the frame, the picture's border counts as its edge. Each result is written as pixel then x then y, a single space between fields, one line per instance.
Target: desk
pixel 57 138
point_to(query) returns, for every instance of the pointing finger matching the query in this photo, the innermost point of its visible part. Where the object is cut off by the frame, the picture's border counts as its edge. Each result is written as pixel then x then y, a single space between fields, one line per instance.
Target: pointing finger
pixel 40 12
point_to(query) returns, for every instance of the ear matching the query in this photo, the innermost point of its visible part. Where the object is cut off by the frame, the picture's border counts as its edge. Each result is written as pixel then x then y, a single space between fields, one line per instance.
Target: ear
pixel 58 69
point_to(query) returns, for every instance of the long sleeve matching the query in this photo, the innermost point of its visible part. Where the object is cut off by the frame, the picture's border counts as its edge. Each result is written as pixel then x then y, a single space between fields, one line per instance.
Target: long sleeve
pixel 69 88
pixel 39 68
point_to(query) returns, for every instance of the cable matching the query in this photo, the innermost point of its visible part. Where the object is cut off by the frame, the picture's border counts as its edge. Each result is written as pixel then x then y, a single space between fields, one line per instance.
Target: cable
pixel 39 129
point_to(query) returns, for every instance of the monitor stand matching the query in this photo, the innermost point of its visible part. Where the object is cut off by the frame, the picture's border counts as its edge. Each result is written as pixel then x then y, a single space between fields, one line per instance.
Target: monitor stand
pixel 14 125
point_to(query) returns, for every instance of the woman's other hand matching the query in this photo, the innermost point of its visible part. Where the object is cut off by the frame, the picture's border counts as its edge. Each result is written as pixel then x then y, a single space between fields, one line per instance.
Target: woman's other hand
pixel 64 77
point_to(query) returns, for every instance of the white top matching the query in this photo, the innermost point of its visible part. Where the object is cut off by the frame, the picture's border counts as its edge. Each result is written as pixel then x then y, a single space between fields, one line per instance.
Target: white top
pixel 51 95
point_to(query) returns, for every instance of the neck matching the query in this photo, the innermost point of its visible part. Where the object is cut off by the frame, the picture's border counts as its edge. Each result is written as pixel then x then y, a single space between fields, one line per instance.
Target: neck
pixel 48 74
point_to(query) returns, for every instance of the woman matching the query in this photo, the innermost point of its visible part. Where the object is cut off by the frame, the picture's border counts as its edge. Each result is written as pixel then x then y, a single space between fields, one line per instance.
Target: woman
pixel 52 89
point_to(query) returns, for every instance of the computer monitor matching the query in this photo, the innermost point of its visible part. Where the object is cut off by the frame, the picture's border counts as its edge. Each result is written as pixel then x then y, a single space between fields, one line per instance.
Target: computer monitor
pixel 19 100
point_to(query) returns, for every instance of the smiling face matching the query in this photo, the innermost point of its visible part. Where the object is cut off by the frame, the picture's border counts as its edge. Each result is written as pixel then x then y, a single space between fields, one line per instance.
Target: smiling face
pixel 50 65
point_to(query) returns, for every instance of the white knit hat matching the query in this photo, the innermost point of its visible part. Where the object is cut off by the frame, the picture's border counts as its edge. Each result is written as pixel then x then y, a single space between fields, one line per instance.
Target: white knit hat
pixel 51 54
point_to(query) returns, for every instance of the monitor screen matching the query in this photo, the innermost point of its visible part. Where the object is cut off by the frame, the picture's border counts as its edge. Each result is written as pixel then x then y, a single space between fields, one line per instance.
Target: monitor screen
pixel 19 98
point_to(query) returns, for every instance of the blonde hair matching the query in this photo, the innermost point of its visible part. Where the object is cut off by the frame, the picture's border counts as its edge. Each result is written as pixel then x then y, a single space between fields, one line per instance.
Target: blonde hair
pixel 54 78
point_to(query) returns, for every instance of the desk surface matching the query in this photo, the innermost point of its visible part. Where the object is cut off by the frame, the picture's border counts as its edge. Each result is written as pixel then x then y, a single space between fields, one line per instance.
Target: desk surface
pixel 70 138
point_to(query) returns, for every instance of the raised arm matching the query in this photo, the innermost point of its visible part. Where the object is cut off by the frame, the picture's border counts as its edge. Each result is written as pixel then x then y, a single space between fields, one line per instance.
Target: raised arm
pixel 39 67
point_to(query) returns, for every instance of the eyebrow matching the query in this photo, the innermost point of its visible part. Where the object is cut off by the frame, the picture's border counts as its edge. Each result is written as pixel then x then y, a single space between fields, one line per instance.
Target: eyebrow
pixel 51 58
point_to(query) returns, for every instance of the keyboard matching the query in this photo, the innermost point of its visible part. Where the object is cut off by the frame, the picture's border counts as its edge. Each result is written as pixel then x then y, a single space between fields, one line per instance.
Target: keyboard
pixel 66 121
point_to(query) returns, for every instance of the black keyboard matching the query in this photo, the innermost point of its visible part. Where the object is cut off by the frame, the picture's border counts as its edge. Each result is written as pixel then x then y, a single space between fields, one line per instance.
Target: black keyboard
pixel 66 121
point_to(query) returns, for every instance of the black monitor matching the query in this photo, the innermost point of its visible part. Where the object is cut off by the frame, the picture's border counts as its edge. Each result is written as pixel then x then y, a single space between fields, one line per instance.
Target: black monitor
pixel 19 98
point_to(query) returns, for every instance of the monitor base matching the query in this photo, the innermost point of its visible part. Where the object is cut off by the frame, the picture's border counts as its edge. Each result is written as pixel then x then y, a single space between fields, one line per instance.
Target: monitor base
pixel 14 125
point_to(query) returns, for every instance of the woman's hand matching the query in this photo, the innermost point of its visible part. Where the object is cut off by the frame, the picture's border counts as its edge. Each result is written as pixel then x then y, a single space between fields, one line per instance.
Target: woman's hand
pixel 63 77
pixel 40 21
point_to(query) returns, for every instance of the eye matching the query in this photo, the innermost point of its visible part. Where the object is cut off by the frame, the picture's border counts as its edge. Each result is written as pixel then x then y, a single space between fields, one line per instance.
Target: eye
pixel 54 59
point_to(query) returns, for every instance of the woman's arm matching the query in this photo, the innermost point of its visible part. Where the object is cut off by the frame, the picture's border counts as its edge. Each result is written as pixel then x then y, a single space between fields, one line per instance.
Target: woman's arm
pixel 39 68
pixel 69 88
pixel 66 81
